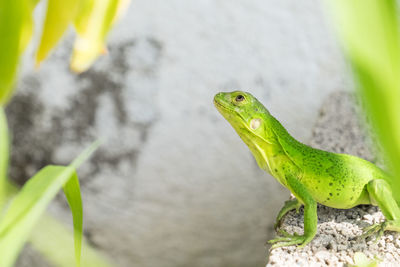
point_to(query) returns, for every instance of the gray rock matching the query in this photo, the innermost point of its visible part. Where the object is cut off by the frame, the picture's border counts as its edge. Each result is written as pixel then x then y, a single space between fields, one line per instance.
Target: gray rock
pixel 338 237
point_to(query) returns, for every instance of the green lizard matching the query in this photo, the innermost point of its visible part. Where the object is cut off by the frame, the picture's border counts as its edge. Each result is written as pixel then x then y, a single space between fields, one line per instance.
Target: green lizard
pixel 313 176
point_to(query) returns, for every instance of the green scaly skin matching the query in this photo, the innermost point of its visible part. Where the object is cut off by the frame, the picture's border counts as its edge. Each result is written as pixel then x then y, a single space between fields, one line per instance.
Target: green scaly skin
pixel 313 176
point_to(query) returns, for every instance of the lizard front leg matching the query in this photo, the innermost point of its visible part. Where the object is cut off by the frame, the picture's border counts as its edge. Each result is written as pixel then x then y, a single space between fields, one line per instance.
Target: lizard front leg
pixel 310 216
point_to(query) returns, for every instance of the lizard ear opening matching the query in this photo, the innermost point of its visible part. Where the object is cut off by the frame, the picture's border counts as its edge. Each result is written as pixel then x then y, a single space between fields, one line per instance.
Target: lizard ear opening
pixel 255 123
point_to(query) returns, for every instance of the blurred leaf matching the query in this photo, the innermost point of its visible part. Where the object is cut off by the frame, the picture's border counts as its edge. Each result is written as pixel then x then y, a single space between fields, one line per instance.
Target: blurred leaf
pixel 121 9
pixel 16 27
pixel 369 31
pixel 58 17
pixel 27 24
pixel 11 22
pixel 59 251
pixel 26 30
pixel 83 15
pixel 30 203
pixel 78 161
pixel 73 195
pixel 361 260
pixel 4 147
pixel 27 207
pixel 11 191
pixel 93 21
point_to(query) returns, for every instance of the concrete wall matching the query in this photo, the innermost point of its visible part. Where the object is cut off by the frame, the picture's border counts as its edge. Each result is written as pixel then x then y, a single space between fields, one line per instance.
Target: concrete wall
pixel 173 185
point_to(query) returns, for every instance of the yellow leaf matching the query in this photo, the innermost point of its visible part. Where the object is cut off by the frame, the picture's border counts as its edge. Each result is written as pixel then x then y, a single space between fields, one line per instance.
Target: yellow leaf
pixel 122 7
pixel 58 17
pixel 93 21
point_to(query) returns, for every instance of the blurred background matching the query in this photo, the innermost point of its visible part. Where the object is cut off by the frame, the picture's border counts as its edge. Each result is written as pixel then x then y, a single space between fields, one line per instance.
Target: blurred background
pixel 173 184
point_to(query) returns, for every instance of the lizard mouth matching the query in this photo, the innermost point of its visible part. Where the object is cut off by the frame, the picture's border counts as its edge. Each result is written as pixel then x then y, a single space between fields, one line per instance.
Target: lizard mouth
pixel 220 106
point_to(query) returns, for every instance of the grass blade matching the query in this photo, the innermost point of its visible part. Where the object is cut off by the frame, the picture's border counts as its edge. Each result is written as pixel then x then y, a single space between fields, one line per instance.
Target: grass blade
pixel 59 251
pixel 30 203
pixel 73 195
pixel 27 207
pixel 85 154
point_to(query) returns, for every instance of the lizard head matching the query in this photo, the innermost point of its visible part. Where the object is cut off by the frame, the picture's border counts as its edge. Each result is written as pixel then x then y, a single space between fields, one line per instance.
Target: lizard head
pixel 246 114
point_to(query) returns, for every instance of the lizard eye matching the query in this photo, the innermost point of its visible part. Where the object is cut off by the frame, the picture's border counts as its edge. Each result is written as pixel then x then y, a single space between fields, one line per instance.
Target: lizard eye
pixel 239 98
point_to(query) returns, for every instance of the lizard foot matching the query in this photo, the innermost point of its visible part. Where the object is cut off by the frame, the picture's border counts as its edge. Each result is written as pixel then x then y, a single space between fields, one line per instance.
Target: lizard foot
pixel 288 240
pixel 378 229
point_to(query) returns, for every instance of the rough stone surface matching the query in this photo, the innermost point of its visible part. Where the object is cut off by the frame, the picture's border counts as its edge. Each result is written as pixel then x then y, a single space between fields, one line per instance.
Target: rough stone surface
pixel 338 236
pixel 173 185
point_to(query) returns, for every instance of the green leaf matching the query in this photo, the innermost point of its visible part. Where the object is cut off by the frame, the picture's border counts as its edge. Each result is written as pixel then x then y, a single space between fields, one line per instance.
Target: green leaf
pixel 58 17
pixel 59 251
pixel 73 195
pixel 27 24
pixel 16 27
pixel 30 203
pixel 26 209
pixel 11 22
pixel 369 32
pixel 93 21
pixel 85 154
pixel 4 148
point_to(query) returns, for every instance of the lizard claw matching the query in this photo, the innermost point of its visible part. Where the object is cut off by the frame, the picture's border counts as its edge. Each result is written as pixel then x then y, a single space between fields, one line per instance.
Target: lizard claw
pixel 288 239
pixel 378 229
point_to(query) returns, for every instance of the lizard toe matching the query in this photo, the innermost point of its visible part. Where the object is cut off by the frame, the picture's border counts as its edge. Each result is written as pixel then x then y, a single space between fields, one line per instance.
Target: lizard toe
pixel 377 229
pixel 289 240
